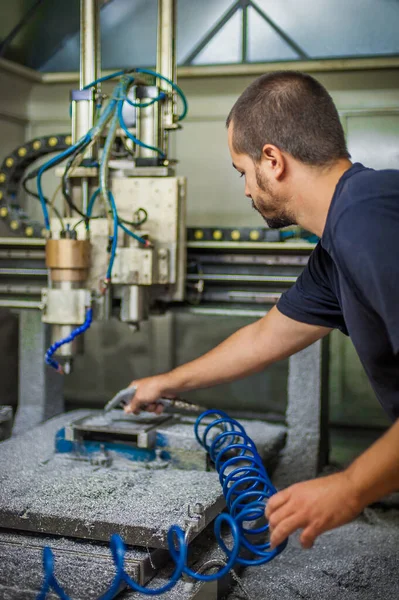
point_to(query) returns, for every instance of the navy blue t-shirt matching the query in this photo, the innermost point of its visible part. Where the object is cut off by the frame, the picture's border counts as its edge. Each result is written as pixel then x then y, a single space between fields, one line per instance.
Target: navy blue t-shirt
pixel 352 279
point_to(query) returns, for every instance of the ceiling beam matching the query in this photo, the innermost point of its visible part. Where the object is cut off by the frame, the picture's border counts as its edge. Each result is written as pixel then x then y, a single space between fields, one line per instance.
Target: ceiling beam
pixel 248 69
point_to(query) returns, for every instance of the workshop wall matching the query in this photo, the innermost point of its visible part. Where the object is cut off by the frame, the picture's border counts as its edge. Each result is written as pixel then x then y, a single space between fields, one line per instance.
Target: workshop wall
pixel 215 193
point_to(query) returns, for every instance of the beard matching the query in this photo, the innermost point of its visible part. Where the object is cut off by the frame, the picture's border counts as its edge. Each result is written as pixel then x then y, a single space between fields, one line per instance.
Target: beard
pixel 281 218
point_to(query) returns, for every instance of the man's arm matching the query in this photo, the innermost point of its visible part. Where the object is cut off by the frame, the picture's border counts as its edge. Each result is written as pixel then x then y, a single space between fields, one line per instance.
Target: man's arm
pixel 249 350
pixel 328 502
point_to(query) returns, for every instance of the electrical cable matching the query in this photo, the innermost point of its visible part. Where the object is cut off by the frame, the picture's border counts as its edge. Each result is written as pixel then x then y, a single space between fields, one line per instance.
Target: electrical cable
pixel 106 194
pixel 71 165
pixel 116 102
pixel 139 222
pixel 93 134
pixel 172 84
pixel 48 358
pixel 161 96
pixel 36 196
pixel 53 199
pixel 246 488
pixel 131 136
pixel 104 78
pixel 51 163
pixel 138 238
pixel 114 243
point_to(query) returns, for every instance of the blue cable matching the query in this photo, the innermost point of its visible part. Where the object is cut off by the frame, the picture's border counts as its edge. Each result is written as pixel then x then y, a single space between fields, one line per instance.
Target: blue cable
pixel 104 117
pixel 161 96
pixel 94 131
pixel 56 159
pixel 173 85
pixel 131 136
pixel 246 488
pixel 138 238
pixel 104 78
pixel 114 236
pixel 48 358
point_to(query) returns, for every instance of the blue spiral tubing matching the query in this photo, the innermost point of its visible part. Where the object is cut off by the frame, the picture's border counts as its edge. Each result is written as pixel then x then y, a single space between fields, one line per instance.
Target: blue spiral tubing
pixel 246 488
pixel 48 357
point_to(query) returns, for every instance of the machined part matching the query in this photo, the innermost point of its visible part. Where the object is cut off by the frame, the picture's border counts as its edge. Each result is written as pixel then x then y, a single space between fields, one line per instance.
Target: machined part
pixel 166 60
pixel 67 259
pixel 90 64
pixel 139 431
pixel 164 202
pixel 133 266
pixel 65 307
pixel 134 304
pixel 69 350
pixel 163 265
pixel 147 124
pixel 125 168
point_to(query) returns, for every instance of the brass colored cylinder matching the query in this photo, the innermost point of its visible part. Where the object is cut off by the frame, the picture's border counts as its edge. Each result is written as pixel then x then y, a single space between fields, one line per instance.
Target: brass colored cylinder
pixel 68 260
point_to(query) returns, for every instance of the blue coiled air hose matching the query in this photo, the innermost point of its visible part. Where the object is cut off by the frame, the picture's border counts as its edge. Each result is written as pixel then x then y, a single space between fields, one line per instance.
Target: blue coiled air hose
pixel 246 488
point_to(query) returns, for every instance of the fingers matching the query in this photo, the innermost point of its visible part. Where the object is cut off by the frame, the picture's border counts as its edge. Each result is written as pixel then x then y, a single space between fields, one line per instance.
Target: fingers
pixel 136 407
pixel 276 501
pixel 284 529
pixel 280 515
pixel 159 408
pixel 308 537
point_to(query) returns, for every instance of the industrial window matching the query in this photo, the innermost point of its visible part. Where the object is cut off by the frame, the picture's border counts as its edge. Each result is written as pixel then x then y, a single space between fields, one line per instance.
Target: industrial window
pixel 208 32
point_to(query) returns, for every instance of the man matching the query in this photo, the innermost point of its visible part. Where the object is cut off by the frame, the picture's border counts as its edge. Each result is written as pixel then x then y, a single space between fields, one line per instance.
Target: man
pixel 286 139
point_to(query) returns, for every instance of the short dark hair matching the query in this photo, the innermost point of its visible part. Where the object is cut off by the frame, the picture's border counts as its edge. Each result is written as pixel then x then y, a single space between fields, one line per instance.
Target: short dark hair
pixel 292 111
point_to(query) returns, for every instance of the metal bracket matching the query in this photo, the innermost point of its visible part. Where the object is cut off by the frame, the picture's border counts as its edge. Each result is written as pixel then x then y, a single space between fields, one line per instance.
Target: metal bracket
pixel 65 307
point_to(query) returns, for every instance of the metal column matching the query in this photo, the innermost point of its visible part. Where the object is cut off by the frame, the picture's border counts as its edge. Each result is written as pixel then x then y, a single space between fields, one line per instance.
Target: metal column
pixel 90 65
pixel 166 63
pixel 40 387
pixel 306 450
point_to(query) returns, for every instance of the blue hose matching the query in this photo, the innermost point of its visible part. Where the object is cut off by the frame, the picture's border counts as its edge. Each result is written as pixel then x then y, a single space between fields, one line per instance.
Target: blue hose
pixel 81 144
pixel 115 103
pixel 114 236
pixel 133 137
pixel 138 238
pixel 48 358
pixel 161 96
pixel 55 160
pixel 104 78
pixel 173 85
pixel 246 488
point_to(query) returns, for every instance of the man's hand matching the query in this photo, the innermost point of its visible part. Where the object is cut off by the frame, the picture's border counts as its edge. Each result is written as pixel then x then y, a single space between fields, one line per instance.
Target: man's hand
pixel 148 392
pixel 314 506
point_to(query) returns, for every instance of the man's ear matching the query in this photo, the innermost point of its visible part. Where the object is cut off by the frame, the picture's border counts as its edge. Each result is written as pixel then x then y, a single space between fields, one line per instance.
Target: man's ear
pixel 274 160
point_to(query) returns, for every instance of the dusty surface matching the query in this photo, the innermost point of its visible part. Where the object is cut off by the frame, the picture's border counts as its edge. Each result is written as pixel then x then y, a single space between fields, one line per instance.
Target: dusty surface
pixel 53 494
pixel 357 562
pixel 84 569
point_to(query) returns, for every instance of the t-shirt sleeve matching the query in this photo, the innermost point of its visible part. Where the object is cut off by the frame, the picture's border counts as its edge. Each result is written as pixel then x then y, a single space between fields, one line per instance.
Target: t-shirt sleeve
pixel 312 299
pixel 366 241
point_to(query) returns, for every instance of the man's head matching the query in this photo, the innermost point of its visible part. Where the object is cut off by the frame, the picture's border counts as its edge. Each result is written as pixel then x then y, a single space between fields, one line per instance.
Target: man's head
pixel 281 117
